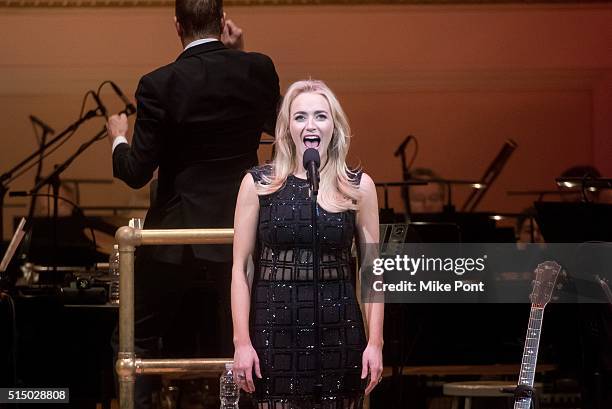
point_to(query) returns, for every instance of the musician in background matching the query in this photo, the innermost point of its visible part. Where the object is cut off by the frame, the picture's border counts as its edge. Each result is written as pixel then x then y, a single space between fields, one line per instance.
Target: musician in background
pixel 574 194
pixel 527 229
pixel 427 198
pixel 43 202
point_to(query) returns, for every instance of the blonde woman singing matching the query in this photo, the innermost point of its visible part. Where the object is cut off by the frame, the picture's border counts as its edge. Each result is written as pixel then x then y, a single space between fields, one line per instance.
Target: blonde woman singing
pixel 299 339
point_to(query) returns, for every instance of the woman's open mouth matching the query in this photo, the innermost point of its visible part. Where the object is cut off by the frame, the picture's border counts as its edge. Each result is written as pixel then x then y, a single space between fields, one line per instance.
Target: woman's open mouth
pixel 311 141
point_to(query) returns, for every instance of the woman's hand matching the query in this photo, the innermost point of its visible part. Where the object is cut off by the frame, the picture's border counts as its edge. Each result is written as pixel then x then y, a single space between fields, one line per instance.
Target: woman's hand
pixel 371 362
pixel 245 361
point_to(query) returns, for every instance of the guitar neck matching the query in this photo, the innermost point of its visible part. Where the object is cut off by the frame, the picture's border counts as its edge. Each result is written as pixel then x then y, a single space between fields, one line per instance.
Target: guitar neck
pixel 530 353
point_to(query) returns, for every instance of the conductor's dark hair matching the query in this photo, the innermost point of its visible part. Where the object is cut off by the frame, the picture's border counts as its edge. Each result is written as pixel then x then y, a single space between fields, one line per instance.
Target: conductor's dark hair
pixel 199 18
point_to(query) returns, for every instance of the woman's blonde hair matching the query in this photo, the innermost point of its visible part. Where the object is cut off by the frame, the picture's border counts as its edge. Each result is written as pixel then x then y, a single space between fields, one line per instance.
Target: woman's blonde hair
pixel 339 185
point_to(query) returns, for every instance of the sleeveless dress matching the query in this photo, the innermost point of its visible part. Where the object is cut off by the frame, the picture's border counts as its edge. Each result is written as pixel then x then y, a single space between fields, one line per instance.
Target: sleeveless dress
pixel 307 330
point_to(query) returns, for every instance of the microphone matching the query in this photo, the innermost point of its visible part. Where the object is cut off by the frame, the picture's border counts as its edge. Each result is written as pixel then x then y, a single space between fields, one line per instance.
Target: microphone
pixel 311 163
pixel 39 122
pixel 99 102
pixel 129 107
pixel 400 148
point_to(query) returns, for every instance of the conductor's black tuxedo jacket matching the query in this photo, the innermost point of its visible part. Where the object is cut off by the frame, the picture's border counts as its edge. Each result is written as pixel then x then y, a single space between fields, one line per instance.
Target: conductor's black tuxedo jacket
pixel 199 120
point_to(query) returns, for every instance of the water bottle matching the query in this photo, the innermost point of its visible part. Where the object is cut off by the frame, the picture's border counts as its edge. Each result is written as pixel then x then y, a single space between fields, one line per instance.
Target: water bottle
pixel 113 269
pixel 228 390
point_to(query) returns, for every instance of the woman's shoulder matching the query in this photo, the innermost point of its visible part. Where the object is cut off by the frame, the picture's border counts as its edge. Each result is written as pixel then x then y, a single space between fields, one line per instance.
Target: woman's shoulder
pixel 260 172
pixel 357 176
pixel 361 185
pixel 362 180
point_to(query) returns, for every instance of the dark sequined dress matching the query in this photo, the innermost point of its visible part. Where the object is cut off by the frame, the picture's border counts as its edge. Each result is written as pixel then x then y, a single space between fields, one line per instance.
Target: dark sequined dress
pixel 301 341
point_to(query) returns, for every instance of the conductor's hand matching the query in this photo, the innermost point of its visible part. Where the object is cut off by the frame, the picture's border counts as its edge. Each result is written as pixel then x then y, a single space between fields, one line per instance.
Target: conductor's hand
pixel 232 36
pixel 245 361
pixel 117 125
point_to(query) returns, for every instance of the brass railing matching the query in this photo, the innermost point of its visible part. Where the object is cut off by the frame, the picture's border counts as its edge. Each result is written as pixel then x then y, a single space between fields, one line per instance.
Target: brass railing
pixel 128 366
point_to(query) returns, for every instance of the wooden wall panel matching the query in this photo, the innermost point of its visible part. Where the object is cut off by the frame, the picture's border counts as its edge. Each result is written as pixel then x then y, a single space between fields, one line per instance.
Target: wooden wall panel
pixel 460 78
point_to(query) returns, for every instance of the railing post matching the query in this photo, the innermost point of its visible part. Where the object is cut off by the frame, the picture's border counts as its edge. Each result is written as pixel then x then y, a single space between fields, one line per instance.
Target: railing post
pixel 127 237
pixel 128 366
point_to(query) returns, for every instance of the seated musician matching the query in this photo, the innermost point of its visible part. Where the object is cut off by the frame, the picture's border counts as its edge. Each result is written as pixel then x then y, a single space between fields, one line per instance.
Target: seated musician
pixel 427 198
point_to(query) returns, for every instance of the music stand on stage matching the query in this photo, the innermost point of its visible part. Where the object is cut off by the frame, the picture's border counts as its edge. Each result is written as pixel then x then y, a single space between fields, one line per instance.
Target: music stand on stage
pixel 574 222
pixel 13 245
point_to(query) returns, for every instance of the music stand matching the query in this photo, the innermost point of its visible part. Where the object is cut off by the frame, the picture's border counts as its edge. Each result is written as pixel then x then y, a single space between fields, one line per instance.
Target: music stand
pixel 71 247
pixel 13 245
pixel 490 175
pixel 574 222
pixel 472 227
pixel 387 214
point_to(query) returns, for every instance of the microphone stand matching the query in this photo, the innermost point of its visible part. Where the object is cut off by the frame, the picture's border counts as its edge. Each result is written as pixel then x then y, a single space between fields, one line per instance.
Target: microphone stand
pixel 43 139
pixel 405 190
pixel 28 236
pixel 401 152
pixel 54 176
pixel 315 275
pixel 449 208
pixel 53 180
pixel 7 177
